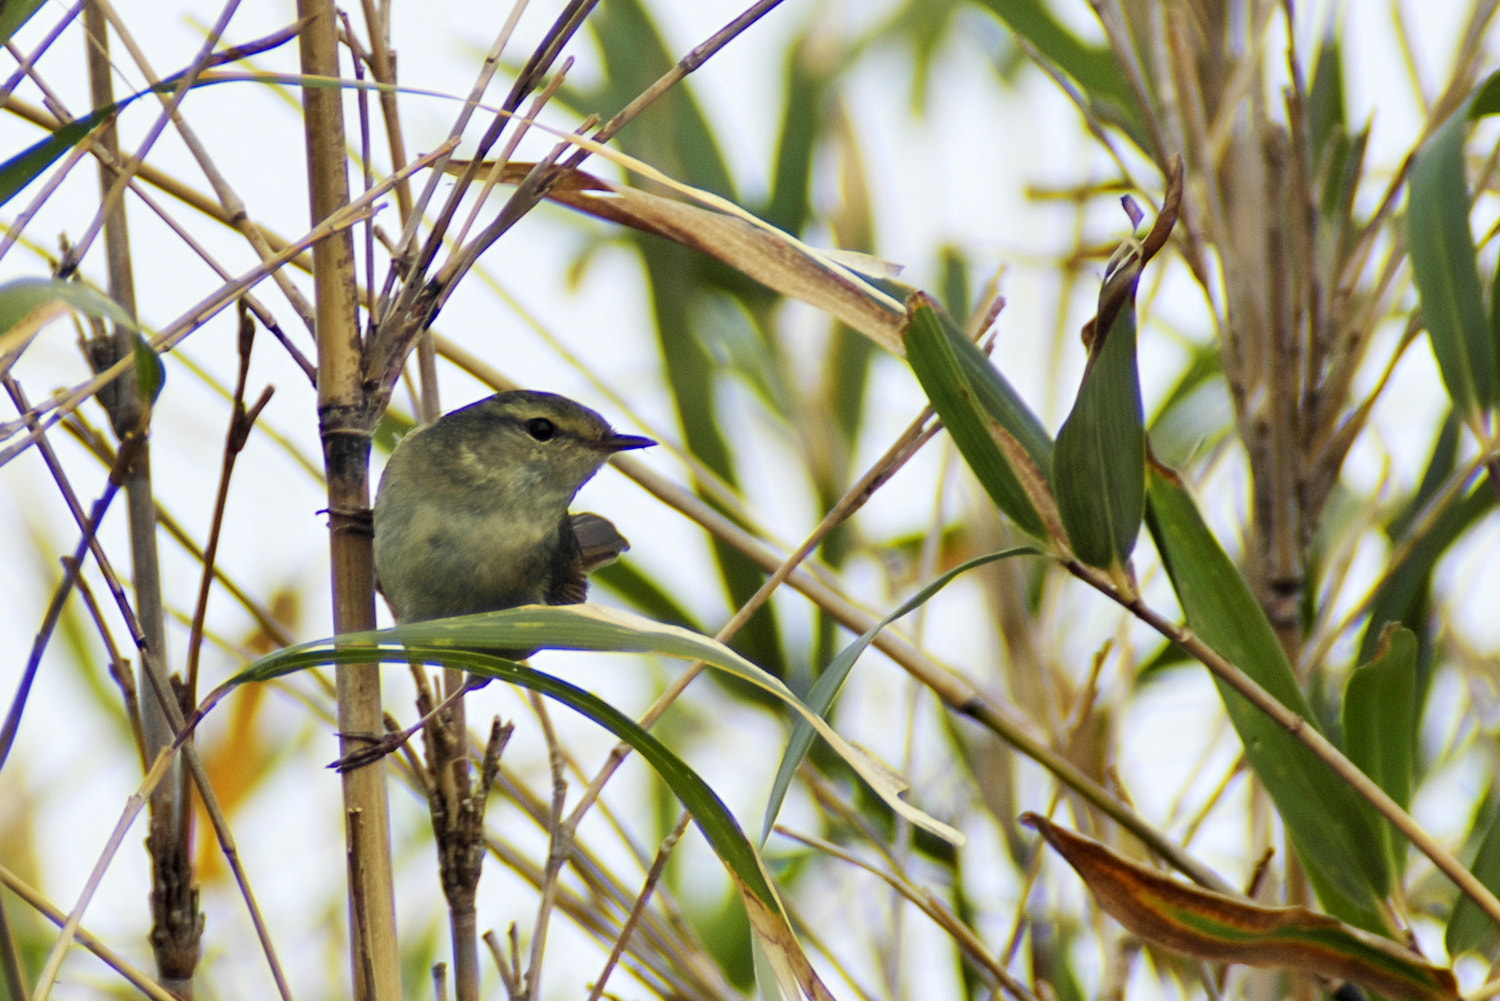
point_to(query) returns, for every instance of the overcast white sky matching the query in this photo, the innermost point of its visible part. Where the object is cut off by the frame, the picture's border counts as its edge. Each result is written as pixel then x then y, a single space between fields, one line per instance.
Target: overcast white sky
pixel 958 175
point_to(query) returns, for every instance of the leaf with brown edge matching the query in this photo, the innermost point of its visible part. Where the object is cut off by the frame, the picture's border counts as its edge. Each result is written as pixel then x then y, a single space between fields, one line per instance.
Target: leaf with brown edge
pixel 1003 442
pixel 1333 829
pixel 1225 929
pixel 775 259
pixel 790 967
pixel 1099 464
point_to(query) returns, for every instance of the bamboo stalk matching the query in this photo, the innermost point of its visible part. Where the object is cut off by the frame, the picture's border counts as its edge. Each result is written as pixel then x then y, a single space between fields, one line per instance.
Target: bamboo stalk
pixel 346 415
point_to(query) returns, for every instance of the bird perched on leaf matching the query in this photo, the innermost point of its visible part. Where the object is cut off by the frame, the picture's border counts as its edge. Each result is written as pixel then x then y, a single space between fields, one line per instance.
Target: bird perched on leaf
pixel 472 511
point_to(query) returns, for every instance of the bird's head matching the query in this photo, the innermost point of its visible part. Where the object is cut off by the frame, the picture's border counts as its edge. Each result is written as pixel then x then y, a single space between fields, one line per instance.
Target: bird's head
pixel 533 447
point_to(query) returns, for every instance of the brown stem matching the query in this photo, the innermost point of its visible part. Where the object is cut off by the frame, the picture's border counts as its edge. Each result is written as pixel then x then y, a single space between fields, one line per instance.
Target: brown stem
pixel 240 423
pixel 637 909
pixel 177 923
pixel 347 414
pixel 1298 727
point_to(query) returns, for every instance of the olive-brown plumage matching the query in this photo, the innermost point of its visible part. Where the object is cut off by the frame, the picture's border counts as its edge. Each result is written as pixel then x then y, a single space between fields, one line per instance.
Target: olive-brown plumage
pixel 472 511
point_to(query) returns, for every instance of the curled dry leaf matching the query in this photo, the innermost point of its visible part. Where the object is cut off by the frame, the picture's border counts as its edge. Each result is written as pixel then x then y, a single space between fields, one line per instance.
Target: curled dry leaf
pixel 1125 266
pixel 1221 928
pixel 773 258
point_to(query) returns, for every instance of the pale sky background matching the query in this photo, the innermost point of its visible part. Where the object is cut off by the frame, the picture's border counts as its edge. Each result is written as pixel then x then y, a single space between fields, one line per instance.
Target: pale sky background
pixel 957 174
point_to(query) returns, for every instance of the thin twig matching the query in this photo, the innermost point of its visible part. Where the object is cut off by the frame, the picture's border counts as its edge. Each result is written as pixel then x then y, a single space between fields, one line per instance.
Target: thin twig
pixel 957 693
pixel 963 936
pixel 687 64
pixel 25 64
pixel 65 403
pixel 1303 731
pixel 918 433
pixel 138 979
pixel 638 909
pixel 241 420
pixel 559 845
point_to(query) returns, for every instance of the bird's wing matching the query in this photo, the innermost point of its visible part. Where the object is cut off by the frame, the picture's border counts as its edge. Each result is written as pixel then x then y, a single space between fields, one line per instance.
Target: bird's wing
pixel 587 543
pixel 599 542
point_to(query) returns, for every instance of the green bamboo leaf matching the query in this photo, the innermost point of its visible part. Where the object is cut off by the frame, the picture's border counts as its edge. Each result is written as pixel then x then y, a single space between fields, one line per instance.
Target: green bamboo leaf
pixel 21 169
pixel 680 142
pixel 924 26
pixel 1099 466
pixel 808 79
pixel 29 304
pixel 1404 589
pixel 1444 265
pixel 1441 464
pixel 1380 724
pixel 998 435
pixel 1469 928
pixel 831 681
pixel 150 372
pixel 712 817
pixel 709 812
pixel 15 13
pixel 1494 309
pixel 587 627
pixel 1094 67
pixel 25 301
pixel 1327 120
pixel 1224 929
pixel 1196 414
pixel 1334 830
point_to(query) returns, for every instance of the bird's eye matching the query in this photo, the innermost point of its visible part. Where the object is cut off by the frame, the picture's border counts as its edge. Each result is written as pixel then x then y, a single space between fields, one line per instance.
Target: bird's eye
pixel 540 428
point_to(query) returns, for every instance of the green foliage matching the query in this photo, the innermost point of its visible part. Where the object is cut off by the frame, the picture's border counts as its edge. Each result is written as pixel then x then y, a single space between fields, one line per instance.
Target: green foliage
pixel 1099 466
pixel 1381 724
pixel 1469 929
pixel 1444 263
pixel 1335 832
pixel 1003 442
pixel 1262 348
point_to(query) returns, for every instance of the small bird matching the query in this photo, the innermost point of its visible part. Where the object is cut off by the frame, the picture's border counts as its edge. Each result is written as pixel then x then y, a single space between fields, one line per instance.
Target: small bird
pixel 472 511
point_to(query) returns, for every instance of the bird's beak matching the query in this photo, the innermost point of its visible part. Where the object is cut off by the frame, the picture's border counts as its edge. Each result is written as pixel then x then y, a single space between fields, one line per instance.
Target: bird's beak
pixel 623 443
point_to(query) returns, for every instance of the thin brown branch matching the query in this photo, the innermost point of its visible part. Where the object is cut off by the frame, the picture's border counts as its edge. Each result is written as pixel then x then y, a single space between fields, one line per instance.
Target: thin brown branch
pixel 638 909
pixel 138 979
pixel 60 405
pixel 1298 727
pixel 347 412
pixel 687 64
pixel 559 848
pixel 940 914
pixel 241 420
pixel 917 434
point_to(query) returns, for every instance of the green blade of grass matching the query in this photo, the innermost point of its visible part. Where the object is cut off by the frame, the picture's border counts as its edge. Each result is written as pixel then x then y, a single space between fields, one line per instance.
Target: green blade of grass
pixel 1099 465
pixel 26 303
pixel 590 627
pixel 1380 722
pixel 712 817
pixel 1094 68
pixel 998 435
pixel 1444 265
pixel 831 681
pixel 1469 928
pixel 1335 832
